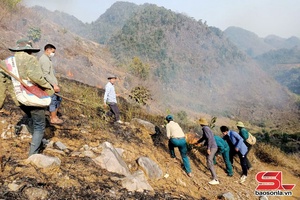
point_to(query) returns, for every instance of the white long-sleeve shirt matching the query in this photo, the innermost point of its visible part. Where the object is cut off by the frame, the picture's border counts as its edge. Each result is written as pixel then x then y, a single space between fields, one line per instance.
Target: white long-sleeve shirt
pixel 174 130
pixel 110 94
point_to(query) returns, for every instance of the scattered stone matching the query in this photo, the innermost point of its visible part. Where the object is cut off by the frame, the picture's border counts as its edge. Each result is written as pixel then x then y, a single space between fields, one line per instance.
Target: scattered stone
pixel 43 161
pixel 86 147
pixel 143 124
pixel 228 196
pixel 136 182
pixel 111 160
pixel 89 154
pixel 14 187
pixel 152 169
pixel 60 146
pixel 36 194
pixel 166 175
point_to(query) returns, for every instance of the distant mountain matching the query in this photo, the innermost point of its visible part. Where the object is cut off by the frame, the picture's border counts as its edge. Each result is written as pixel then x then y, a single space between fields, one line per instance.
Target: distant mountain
pixel 254 46
pixel 111 21
pixel 281 43
pixel 247 41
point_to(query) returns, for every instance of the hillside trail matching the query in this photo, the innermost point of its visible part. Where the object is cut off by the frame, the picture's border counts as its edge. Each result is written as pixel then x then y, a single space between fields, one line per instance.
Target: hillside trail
pixel 78 131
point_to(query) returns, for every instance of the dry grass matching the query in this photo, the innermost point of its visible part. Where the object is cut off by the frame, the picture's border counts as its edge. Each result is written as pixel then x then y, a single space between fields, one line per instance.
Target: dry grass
pixel 273 155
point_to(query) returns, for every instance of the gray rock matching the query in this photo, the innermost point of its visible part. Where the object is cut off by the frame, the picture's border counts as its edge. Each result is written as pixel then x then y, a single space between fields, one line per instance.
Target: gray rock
pixel 36 193
pixel 43 161
pixel 59 145
pixel 228 196
pixel 151 169
pixel 143 124
pixel 111 160
pixel 136 182
pixel 263 198
pixel 89 154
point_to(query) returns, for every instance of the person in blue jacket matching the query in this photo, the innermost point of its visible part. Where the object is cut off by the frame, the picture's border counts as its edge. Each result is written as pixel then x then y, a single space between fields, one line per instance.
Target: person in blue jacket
pixel 223 148
pixel 239 146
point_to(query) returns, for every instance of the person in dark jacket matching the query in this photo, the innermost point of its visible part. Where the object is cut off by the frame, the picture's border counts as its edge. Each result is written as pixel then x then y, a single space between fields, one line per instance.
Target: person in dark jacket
pixel 223 148
pixel 209 141
pixel 245 135
pixel 239 146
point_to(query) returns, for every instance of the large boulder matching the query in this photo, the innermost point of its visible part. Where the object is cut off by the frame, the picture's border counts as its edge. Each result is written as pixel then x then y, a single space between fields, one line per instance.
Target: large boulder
pixel 43 161
pixel 151 169
pixel 144 124
pixel 111 160
pixel 136 182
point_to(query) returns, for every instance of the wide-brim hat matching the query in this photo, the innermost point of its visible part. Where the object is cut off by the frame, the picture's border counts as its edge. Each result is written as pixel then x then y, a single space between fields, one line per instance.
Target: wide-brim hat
pixel 24 45
pixel 202 121
pixel 240 124
pixel 111 77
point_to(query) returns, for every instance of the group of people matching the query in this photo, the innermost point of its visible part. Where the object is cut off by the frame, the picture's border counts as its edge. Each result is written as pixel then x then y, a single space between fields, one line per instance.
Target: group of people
pixel 41 73
pixel 231 144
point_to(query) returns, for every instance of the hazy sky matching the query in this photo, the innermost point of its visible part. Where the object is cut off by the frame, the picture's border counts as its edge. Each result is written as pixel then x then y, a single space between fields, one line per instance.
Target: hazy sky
pixel 263 17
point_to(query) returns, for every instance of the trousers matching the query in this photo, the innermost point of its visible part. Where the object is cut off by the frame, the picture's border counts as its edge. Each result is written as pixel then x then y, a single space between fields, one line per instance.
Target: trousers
pixel 182 146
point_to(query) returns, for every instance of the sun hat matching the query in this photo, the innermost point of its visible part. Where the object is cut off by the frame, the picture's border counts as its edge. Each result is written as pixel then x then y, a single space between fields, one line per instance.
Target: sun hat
pixel 111 76
pixel 240 124
pixel 169 118
pixel 202 121
pixel 24 44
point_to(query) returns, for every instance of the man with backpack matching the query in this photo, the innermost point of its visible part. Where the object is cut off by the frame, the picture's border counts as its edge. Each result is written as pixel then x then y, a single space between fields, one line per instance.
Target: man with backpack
pixel 245 135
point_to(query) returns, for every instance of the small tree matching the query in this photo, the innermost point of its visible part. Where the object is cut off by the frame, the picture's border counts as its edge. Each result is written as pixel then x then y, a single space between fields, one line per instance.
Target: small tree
pixel 34 34
pixel 138 68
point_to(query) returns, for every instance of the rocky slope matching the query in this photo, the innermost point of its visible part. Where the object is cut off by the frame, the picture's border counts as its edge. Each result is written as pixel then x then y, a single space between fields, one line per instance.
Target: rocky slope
pixel 79 177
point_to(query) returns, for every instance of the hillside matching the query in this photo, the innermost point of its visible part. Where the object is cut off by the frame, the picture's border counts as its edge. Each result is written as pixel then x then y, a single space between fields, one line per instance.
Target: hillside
pixel 284 66
pixel 79 177
pixel 197 67
pixel 192 67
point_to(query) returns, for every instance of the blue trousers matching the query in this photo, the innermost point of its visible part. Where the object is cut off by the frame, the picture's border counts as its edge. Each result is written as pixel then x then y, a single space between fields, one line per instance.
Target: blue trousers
pixel 55 102
pixel 181 144
pixel 36 126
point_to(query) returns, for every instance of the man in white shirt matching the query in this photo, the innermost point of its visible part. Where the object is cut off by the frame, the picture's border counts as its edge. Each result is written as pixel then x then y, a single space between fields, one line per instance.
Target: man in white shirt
pixel 110 98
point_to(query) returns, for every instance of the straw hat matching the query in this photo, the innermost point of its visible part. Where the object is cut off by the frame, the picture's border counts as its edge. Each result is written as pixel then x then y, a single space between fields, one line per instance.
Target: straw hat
pixel 202 121
pixel 112 76
pixel 24 45
pixel 240 124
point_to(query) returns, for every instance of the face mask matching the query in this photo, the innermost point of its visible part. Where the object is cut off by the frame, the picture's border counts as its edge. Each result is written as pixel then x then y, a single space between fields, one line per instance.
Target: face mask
pixel 51 55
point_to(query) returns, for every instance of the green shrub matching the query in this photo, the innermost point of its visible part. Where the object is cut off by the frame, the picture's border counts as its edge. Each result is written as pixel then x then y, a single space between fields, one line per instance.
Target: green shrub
pixel 139 69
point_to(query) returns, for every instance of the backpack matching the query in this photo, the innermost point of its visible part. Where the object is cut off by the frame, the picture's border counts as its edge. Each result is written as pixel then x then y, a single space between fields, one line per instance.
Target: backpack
pixel 251 139
pixel 24 96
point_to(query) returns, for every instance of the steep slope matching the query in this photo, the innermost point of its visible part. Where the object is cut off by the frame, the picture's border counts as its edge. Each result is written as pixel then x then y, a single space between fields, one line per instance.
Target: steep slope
pixel 79 177
pixel 247 41
pixel 68 22
pixel 197 68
